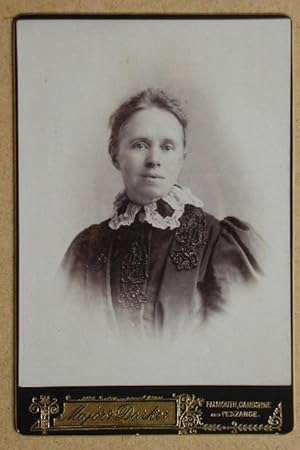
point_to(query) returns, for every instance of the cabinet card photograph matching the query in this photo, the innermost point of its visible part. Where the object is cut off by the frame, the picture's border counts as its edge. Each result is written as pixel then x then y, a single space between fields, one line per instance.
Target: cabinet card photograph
pixel 154 224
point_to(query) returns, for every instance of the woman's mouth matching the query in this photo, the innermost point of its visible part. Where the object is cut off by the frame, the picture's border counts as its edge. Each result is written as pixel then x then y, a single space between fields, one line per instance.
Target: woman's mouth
pixel 153 176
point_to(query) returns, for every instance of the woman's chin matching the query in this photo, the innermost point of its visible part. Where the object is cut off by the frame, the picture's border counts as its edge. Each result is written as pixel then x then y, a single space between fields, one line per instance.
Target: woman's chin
pixel 147 196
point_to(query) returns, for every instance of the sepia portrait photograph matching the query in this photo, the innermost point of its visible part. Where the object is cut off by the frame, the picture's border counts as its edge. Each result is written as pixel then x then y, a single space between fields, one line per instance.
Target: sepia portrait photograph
pixel 154 201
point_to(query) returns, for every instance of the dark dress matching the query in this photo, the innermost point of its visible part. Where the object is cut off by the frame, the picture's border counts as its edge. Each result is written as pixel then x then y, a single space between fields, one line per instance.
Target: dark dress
pixel 151 280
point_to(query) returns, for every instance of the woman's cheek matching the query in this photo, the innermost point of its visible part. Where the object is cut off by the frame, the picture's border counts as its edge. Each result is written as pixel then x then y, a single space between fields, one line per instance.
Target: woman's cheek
pixel 135 162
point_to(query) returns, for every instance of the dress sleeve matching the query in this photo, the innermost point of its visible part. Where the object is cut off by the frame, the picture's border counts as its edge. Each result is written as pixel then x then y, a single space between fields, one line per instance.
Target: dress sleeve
pixel 235 258
pixel 75 259
pixel 87 253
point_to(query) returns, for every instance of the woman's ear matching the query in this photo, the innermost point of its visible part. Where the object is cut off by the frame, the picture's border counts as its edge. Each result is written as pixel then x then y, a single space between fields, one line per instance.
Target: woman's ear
pixel 116 162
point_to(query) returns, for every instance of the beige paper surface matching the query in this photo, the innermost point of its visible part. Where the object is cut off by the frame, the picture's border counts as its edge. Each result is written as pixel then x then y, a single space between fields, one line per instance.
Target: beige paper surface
pixel 9 438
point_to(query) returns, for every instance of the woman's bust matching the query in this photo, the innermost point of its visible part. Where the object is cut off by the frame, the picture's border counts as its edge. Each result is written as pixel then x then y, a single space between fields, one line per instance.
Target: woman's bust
pixel 159 262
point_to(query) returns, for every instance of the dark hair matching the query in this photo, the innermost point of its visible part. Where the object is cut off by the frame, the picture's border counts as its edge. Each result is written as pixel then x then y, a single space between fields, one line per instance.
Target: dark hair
pixel 142 100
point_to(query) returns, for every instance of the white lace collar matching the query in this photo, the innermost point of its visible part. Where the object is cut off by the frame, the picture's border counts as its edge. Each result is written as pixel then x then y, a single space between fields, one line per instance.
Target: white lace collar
pixel 177 198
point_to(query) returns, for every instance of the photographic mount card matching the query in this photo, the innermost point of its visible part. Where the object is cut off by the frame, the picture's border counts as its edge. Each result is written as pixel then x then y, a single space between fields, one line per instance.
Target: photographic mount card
pixel 172 314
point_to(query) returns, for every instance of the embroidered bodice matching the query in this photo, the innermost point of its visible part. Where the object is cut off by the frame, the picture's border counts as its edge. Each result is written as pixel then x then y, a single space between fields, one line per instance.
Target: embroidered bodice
pixel 167 263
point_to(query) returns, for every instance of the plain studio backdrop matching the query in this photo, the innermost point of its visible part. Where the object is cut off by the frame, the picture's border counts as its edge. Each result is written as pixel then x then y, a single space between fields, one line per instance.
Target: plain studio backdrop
pixel 233 80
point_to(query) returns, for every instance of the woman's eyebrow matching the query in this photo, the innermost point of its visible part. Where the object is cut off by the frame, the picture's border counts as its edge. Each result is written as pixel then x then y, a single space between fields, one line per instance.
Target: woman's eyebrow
pixel 169 141
pixel 140 138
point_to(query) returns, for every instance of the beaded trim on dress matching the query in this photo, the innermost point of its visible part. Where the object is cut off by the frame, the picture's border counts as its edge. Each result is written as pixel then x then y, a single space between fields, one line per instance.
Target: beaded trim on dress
pixel 177 198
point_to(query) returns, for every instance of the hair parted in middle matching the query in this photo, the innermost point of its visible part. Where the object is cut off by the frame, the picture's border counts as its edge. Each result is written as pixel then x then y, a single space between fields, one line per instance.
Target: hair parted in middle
pixel 143 100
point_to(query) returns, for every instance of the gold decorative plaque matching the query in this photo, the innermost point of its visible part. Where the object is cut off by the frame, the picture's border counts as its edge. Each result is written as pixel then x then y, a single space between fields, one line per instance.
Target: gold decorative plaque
pixel 183 413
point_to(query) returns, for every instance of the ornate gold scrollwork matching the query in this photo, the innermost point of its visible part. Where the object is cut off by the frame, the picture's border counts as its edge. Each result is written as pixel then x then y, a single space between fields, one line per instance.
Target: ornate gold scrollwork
pixel 190 419
pixel 45 406
pixel 274 424
pixel 189 413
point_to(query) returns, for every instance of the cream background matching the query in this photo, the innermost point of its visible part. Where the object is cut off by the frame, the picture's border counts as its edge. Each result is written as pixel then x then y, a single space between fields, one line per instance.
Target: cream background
pixel 9 438
pixel 233 78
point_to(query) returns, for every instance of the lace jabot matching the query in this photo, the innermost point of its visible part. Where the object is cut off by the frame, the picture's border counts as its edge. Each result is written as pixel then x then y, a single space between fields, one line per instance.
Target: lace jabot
pixel 177 198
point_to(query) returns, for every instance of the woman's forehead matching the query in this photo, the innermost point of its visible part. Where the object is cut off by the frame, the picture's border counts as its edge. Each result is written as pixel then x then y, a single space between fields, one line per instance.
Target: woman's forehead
pixel 152 122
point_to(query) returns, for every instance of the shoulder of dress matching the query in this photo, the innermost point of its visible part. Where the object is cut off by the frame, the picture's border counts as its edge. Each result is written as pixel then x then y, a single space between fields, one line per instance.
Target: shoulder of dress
pixel 204 219
pixel 232 222
pixel 91 233
pixel 95 237
pixel 229 228
pixel 192 209
pixel 241 245
pixel 240 231
pixel 88 249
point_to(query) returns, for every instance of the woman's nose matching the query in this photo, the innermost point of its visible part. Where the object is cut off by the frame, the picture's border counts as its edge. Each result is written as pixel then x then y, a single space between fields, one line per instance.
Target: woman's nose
pixel 153 158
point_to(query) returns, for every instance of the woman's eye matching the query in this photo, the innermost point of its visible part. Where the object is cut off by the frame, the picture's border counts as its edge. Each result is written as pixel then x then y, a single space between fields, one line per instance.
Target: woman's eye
pixel 139 145
pixel 168 147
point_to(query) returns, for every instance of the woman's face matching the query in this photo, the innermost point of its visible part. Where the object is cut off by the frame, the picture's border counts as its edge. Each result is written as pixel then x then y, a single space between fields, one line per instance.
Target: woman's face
pixel 150 154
